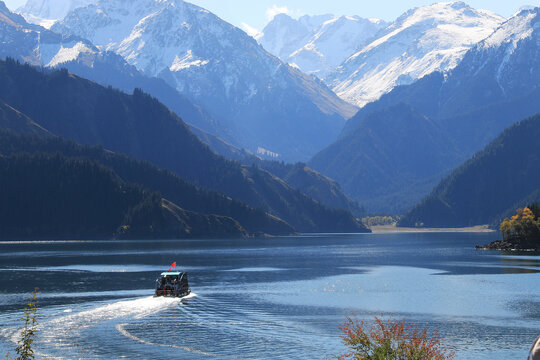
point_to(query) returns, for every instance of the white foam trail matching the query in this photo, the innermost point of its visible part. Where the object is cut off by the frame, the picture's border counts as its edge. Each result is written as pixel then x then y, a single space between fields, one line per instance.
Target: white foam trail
pixel 138 309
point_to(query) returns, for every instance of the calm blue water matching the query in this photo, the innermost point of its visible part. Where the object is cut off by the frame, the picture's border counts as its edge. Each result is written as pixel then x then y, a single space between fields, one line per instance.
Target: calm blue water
pixel 278 298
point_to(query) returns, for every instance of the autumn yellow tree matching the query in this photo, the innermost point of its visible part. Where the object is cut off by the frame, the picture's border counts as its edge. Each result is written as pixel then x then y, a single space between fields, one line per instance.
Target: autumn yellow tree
pixel 523 226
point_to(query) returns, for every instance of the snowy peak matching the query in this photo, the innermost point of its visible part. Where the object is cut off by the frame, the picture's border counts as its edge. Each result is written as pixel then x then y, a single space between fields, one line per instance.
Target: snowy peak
pixel 509 59
pixel 283 34
pixel 519 27
pixel 46 12
pixel 421 41
pixel 38 46
pixel 317 44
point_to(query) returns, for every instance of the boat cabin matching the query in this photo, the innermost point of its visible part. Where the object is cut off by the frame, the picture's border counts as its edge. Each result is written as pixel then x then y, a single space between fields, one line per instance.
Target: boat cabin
pixel 172 283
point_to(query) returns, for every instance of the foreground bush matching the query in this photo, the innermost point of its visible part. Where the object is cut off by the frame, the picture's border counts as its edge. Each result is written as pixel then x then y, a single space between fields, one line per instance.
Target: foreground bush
pixel 391 340
pixel 24 347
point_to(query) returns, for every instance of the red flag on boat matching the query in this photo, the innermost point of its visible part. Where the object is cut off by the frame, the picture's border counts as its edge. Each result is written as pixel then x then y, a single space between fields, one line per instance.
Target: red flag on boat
pixel 173 265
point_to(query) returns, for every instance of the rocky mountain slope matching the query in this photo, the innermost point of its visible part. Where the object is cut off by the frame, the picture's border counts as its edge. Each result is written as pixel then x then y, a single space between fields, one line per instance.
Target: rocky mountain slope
pixel 387 154
pixel 264 102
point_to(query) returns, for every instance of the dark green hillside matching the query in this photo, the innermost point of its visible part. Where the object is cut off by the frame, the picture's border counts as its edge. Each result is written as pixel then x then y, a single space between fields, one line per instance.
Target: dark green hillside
pixel 140 126
pixel 175 189
pixel 50 196
pixel 392 151
pixel 273 192
pixel 488 186
pixel 298 176
pixel 12 119
pixel 309 182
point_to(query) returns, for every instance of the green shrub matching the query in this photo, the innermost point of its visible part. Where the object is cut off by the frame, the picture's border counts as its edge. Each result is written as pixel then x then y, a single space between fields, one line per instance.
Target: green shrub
pixel 28 332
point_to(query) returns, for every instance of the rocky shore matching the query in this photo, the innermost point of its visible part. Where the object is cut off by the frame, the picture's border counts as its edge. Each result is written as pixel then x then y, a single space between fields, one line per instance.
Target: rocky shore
pixel 514 244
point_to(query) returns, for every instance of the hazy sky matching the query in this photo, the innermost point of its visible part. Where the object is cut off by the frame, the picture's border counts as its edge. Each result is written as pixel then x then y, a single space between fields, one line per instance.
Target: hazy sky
pixel 256 13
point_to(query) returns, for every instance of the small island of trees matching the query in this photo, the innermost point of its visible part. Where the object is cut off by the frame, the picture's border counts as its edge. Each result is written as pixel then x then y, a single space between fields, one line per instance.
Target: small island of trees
pixel 520 232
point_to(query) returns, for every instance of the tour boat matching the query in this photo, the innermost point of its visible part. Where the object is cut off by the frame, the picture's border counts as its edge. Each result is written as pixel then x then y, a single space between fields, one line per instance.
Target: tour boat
pixel 172 283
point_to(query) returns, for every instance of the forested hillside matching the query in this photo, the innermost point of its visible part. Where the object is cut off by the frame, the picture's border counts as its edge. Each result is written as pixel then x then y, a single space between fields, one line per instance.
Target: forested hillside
pixel 395 152
pixel 51 196
pixel 491 185
pixel 148 176
pixel 140 126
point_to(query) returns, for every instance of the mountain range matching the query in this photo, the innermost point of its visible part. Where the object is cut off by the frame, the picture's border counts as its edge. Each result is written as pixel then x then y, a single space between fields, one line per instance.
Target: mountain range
pixel 434 87
pixel 362 59
pixel 493 87
pixel 139 126
pixel 40 47
pixel 262 101
pixel 46 13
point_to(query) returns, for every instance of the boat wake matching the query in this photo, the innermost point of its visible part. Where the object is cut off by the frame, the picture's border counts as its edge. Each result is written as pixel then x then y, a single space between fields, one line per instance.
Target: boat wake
pixel 93 325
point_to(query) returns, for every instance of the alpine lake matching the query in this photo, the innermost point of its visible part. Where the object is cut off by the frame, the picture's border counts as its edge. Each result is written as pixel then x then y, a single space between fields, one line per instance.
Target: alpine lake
pixel 271 298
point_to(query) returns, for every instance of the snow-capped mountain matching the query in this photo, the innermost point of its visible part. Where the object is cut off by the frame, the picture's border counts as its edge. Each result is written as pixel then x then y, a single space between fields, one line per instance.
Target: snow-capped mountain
pixel 318 44
pixel 496 84
pixel 421 41
pixel 266 103
pixel 508 62
pixel 283 35
pixel 46 12
pixel 38 46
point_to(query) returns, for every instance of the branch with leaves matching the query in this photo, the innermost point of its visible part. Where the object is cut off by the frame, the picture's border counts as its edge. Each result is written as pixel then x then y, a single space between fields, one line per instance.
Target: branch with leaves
pixel 24 348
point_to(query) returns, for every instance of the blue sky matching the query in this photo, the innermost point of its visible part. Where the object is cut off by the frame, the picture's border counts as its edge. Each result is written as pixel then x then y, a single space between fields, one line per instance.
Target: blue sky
pixel 256 13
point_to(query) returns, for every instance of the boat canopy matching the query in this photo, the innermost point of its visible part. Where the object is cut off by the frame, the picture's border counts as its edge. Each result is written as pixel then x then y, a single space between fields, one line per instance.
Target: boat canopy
pixel 172 273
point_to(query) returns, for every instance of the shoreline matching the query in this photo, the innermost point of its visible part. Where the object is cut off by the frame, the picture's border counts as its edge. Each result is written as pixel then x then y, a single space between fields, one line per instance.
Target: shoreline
pixel 394 229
